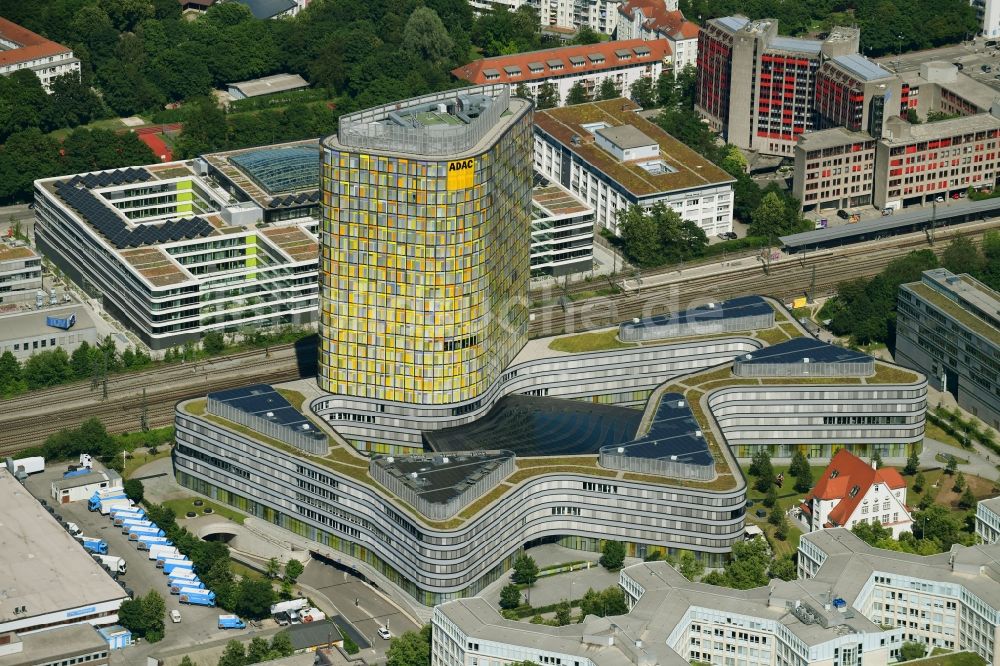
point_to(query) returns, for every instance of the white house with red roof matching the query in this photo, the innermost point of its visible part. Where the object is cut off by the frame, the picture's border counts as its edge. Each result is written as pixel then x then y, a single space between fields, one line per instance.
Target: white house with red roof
pixel 21 48
pixel 623 61
pixel 852 491
pixel 660 19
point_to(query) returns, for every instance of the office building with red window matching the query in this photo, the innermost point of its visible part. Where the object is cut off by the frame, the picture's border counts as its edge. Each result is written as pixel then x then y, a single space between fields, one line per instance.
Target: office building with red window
pixel 856 93
pixel 757 88
pixel 834 168
pixel 917 164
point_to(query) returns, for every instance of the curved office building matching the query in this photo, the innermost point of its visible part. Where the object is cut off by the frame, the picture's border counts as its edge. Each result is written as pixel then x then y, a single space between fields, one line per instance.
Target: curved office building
pixel 444 525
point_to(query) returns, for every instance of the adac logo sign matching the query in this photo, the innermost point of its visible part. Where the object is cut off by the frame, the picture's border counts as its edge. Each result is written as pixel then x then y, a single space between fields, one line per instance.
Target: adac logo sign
pixel 461 174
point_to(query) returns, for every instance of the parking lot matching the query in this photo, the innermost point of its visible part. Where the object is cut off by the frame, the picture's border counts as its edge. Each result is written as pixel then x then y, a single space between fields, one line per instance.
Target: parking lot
pixel 199 624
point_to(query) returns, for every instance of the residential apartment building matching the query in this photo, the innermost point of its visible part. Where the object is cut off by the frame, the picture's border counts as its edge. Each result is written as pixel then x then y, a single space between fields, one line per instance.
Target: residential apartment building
pixel 174 250
pixel 20 48
pixel 660 19
pixel 612 158
pixel 851 491
pixel 988 520
pixel 834 168
pixel 672 622
pixel 569 15
pixel 424 239
pixel 757 88
pixel 622 62
pixel 949 601
pixel 948 328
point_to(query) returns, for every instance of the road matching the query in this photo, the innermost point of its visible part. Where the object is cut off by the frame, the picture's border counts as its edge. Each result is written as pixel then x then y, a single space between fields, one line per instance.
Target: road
pixel 28 419
pixel 19 213
pixel 370 611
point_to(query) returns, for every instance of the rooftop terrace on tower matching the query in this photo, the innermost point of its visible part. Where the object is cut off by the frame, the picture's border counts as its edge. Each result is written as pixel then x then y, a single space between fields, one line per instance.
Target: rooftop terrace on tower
pixel 452 123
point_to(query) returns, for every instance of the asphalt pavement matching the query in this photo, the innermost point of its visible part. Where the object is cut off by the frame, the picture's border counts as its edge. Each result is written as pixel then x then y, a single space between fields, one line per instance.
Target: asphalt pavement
pixel 355 601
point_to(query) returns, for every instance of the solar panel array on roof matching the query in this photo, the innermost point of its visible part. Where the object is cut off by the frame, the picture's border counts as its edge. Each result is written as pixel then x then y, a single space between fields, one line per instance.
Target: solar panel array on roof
pixel 110 224
pixel 108 178
pixel 796 349
pixel 536 426
pixel 294 199
pixel 674 435
pixel 743 306
pixel 263 401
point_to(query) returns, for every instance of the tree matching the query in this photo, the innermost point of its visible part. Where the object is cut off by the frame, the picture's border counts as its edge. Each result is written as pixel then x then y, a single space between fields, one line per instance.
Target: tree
pixel 804 479
pixel 781 528
pixel 962 256
pixel 610 601
pixel 522 91
pixel 134 490
pixel 952 465
pixel 967 500
pixel 273 568
pixel 912 464
pixel 586 35
pixel 613 555
pixel 426 36
pixel 11 382
pixel 254 598
pixel 412 648
pixel 144 616
pixel 766 220
pixel 186 661
pixel 640 237
pixel 959 483
pixel 525 570
pixel 642 92
pixel 564 614
pixel 783 568
pixel 47 368
pixel 510 596
pixel 548 96
pixel 911 650
pixel 281 645
pixel 690 566
pixel 577 94
pixel 775 515
pixel 734 161
pixel 258 650
pixel 877 459
pixel 765 472
pixel 234 654
pixel 293 569
pixel 871 533
pixel 213 343
pixel 771 496
pixel 608 90
pixel 919 482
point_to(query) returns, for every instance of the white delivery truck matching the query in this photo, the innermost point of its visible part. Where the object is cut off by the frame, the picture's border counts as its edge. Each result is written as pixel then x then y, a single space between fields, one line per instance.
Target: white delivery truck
pixel 115 563
pixel 30 465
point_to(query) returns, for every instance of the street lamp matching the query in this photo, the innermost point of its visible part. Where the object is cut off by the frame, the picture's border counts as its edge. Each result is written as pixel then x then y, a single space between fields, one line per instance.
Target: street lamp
pixel 899 51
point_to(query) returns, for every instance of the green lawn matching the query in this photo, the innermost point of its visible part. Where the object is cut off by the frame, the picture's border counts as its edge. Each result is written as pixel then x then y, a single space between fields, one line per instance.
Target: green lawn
pixel 935 432
pixel 182 506
pixel 585 342
pixel 107 123
pixel 243 571
pixel 787 497
pixel 139 459
pixel 953 659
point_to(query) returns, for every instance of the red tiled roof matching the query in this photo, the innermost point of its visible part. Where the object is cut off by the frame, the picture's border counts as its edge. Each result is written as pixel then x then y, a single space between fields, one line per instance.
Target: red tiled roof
pixel 844 472
pixel 33 46
pixel 475 72
pixel 673 24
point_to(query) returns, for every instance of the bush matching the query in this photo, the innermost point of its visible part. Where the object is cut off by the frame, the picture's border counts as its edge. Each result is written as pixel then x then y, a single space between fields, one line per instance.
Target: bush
pixel 350 647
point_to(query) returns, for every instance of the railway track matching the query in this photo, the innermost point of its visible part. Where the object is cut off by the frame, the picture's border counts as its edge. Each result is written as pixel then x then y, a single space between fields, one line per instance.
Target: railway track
pixel 28 419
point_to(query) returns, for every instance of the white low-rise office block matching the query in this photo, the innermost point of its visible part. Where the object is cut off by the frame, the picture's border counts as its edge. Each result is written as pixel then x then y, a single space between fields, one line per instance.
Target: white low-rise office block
pixel 612 158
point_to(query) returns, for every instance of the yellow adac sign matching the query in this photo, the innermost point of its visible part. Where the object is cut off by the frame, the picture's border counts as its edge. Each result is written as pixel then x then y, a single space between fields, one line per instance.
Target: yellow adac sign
pixel 461 174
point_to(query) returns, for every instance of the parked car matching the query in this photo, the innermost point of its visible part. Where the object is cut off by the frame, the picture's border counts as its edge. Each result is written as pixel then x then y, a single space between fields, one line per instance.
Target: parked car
pixel 843 214
pixel 986 68
pixel 886 211
pixel 959 65
pixel 991 42
pixel 384 634
pixel 282 619
pixel 175 616
pixel 939 199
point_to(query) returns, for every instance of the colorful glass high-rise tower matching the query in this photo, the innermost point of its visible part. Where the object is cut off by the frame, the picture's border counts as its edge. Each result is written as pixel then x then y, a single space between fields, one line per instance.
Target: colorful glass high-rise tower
pixel 425 238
